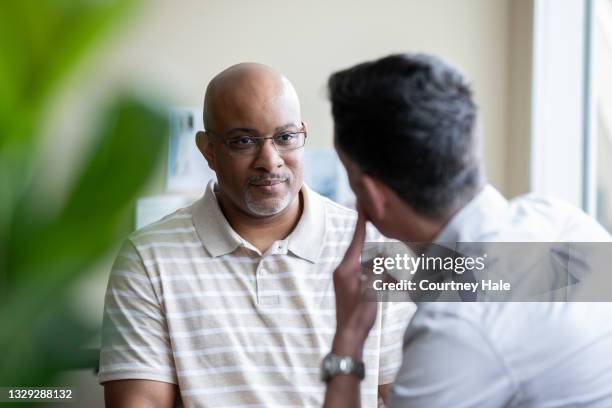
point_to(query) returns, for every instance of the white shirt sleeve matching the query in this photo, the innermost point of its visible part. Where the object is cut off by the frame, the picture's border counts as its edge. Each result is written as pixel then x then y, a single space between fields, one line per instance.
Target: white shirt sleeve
pixel 135 341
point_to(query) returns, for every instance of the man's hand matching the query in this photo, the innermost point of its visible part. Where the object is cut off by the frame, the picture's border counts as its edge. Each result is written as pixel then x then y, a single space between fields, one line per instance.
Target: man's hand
pixel 354 315
pixel 354 319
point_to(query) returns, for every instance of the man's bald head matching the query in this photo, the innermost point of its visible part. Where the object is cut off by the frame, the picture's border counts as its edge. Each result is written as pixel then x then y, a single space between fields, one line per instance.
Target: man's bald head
pixel 243 104
pixel 243 89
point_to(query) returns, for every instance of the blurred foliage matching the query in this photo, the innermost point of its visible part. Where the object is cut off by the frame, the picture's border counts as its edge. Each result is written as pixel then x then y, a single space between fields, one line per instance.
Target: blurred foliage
pixel 43 252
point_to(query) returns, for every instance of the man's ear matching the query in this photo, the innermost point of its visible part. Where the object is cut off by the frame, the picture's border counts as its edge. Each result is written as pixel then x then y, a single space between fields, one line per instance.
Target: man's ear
pixel 205 146
pixel 374 197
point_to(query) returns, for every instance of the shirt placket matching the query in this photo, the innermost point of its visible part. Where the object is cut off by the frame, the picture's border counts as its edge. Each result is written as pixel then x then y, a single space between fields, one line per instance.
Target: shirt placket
pixel 268 293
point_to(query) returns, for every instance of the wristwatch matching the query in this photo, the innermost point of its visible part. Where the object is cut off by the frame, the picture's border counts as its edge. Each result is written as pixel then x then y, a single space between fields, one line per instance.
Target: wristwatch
pixel 333 365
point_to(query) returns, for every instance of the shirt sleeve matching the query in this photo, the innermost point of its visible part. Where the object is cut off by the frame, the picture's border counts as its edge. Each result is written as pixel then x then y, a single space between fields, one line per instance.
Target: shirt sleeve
pixel 135 340
pixel 395 316
pixel 448 362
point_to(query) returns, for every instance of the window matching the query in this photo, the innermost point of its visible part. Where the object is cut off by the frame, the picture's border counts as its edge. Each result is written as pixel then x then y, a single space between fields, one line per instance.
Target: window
pixel 601 89
pixel 571 134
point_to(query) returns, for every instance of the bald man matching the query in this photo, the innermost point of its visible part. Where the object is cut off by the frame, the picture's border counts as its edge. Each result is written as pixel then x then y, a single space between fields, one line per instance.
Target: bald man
pixel 230 302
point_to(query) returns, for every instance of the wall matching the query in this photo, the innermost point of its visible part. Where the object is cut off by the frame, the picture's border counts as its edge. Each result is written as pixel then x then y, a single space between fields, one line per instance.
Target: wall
pixel 518 119
pixel 176 47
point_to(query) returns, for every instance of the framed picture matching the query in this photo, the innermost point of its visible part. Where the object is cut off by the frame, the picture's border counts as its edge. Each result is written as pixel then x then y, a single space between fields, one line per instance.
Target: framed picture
pixel 187 170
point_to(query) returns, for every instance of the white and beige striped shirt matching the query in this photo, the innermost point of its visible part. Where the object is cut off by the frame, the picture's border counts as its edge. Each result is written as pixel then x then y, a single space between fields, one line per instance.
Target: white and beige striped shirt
pixel 192 303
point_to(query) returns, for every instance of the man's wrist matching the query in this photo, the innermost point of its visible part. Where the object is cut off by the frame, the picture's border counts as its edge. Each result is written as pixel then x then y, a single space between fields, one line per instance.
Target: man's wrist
pixel 346 344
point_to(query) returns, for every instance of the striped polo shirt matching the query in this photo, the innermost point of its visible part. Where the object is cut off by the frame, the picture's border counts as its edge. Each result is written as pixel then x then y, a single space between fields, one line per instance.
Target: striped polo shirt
pixel 192 303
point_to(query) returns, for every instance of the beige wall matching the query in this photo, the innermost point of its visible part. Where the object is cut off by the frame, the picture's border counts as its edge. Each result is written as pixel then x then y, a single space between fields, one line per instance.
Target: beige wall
pixel 518 136
pixel 176 47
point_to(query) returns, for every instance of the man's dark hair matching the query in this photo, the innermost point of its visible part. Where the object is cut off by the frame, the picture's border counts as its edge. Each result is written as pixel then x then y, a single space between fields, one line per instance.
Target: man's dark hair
pixel 409 120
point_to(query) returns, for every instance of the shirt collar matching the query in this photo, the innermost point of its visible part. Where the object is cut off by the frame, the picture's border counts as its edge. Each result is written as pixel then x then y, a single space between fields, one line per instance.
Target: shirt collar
pixel 216 234
pixel 219 238
pixel 306 240
pixel 478 219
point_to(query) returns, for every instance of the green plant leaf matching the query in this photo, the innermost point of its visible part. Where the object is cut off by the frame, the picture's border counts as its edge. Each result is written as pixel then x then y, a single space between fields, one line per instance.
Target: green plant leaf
pixel 126 152
pixel 46 253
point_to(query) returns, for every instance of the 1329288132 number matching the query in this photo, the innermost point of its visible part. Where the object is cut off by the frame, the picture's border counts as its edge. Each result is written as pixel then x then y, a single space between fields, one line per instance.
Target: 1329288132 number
pixel 39 394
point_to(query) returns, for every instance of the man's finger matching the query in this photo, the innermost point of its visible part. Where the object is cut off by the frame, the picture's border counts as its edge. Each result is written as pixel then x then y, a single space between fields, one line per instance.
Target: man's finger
pixel 356 245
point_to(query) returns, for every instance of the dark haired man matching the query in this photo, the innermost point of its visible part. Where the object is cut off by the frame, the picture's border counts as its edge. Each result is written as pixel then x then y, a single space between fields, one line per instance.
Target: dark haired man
pixel 405 130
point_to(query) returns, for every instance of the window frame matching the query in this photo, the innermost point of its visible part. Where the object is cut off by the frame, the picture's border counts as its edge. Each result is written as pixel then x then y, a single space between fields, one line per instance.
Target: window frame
pixel 562 98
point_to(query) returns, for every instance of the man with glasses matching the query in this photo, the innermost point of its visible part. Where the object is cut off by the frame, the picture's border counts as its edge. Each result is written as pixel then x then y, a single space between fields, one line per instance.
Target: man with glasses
pixel 230 301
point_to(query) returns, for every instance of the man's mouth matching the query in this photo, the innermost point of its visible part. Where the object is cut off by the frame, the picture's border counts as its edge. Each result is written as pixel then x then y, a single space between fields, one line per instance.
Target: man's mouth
pixel 267 182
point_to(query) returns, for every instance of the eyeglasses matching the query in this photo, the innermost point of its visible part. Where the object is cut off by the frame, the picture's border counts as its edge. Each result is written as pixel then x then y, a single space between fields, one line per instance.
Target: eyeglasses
pixel 248 144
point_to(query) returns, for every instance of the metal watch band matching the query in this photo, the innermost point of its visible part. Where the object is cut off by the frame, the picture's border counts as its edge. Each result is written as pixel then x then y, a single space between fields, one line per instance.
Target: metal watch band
pixel 334 365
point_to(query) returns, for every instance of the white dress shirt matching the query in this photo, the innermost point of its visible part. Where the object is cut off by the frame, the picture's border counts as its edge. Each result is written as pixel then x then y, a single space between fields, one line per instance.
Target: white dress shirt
pixel 547 354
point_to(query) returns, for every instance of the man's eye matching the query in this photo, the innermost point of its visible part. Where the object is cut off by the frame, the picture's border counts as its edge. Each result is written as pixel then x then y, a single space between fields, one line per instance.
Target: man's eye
pixel 285 138
pixel 242 141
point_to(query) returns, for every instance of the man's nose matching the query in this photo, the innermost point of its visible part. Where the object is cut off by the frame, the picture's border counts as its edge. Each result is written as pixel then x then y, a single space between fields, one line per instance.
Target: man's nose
pixel 268 158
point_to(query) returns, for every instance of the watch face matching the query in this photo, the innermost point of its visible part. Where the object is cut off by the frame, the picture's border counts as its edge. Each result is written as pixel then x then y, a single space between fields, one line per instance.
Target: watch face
pixel 345 365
